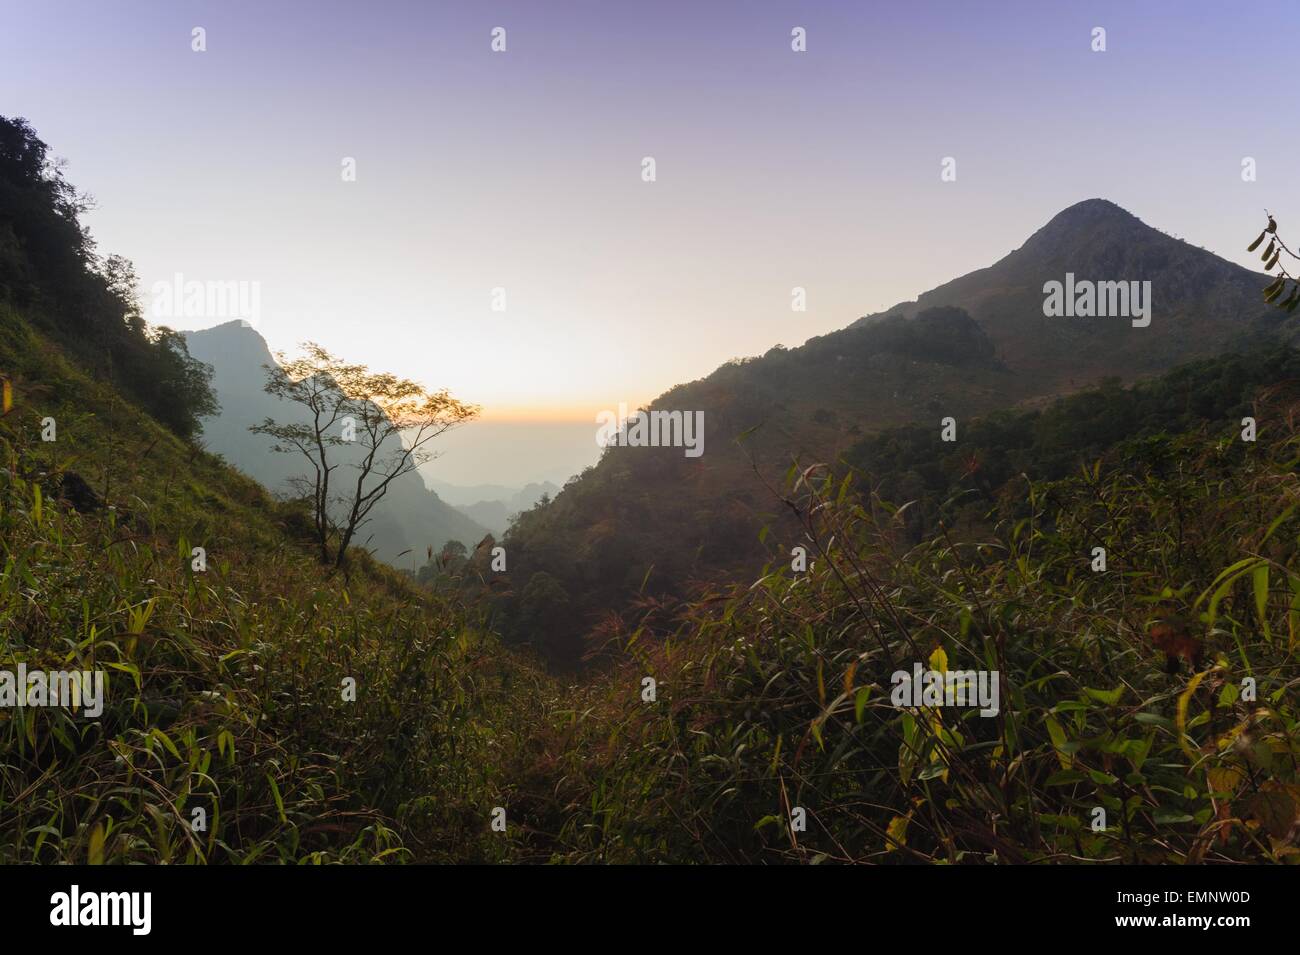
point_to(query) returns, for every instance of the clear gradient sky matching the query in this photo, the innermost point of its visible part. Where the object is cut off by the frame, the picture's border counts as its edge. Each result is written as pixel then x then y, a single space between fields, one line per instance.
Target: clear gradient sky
pixel 523 169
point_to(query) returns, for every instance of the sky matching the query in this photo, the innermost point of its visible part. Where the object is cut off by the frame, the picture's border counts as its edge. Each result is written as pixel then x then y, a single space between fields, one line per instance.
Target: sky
pixel 522 170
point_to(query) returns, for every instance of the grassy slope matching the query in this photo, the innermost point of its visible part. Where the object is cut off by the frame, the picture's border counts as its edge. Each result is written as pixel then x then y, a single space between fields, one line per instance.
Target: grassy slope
pixel 225 687
pixel 776 696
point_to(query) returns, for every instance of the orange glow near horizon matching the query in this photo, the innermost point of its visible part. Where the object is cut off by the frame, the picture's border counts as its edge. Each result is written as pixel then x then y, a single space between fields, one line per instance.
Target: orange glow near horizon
pixel 533 414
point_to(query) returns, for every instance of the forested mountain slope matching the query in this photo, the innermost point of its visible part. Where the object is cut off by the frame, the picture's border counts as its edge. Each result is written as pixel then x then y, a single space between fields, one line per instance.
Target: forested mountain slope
pixel 652 520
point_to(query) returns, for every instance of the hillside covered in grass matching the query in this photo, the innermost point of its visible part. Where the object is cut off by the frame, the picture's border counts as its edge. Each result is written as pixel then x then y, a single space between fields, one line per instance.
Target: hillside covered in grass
pixel 227 687
pixel 1148 710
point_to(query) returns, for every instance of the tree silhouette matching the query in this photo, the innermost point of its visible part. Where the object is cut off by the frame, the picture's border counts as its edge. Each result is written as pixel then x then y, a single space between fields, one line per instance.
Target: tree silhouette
pixel 388 420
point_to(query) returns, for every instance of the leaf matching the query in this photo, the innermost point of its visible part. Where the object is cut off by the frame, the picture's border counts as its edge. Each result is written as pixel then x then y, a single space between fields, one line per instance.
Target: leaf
pixel 1275 808
pixel 907 749
pixel 1259 579
pixel 95 855
pixel 860 703
pixel 1222 584
pixel 1068 822
pixel 1138 750
pixel 1154 719
pixel 1108 697
pixel 166 741
pixel 896 832
pixel 1277 521
pixel 1224 780
pixel 275 793
pixel 1180 720
pixel 1293 613
pixel 1055 731
pixel 1255 245
pixel 939 660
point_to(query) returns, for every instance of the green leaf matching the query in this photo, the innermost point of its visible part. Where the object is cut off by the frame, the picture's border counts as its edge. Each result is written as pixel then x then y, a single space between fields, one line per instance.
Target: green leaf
pixel 896 832
pixel 1057 733
pixel 860 703
pixel 95 854
pixel 1180 711
pixel 166 741
pixel 1155 719
pixel 279 802
pixel 1259 578
pixel 1137 750
pixel 1108 697
pixel 1277 521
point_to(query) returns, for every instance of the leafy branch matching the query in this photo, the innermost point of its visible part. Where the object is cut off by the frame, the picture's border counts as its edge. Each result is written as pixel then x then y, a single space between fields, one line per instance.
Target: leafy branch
pixel 1272 258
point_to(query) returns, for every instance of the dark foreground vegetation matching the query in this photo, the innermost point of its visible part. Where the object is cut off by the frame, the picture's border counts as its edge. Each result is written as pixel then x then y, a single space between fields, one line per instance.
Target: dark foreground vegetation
pixel 776 696
pixel 226 687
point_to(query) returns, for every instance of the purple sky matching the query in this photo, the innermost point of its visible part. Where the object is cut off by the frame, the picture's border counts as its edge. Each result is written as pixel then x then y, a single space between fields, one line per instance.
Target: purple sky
pixel 522 169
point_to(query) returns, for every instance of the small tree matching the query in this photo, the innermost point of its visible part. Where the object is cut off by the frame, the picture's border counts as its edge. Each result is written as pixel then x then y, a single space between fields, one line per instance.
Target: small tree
pixel 389 420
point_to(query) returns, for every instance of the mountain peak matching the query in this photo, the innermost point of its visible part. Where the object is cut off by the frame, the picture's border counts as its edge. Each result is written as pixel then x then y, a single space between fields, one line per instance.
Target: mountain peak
pixel 1099 238
pixel 226 329
pixel 232 348
pixel 1084 221
pixel 1090 209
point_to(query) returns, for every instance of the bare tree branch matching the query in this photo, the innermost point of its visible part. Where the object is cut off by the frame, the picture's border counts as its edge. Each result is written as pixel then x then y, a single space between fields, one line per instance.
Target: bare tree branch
pixel 388 420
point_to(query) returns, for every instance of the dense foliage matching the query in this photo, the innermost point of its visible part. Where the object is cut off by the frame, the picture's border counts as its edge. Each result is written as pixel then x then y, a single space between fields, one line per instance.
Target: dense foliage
pixel 962 478
pixel 49 268
pixel 776 697
pixel 226 685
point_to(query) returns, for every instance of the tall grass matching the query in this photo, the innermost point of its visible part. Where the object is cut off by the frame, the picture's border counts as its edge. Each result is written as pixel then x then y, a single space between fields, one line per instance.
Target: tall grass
pixel 227 688
pixel 776 697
